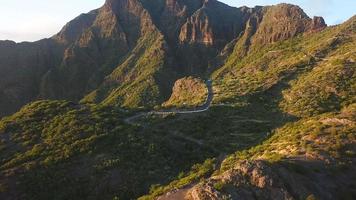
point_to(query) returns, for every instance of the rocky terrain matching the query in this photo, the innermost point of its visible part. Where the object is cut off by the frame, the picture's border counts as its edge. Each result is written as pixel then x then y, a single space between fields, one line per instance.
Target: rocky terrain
pixel 279 122
pixel 283 168
pixel 101 55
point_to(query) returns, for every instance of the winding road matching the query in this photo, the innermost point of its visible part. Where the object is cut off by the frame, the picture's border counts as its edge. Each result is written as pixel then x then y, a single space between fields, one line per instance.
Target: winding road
pixel 199 109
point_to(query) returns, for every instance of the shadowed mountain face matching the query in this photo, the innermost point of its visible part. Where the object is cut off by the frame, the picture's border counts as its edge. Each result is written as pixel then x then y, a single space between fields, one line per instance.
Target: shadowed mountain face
pixel 270 95
pixel 141 46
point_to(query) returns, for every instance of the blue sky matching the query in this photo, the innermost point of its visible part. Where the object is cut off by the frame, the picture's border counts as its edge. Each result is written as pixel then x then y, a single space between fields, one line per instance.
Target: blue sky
pixel 30 20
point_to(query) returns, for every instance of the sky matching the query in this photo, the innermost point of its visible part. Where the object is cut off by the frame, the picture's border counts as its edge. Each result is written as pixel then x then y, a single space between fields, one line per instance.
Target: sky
pixel 31 20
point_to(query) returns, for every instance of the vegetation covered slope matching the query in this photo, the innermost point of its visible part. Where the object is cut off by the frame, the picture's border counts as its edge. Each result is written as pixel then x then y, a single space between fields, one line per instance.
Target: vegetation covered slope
pixel 130 52
pixel 313 158
pixel 319 65
pixel 282 125
pixel 310 78
pixel 62 150
pixel 188 92
pixel 142 80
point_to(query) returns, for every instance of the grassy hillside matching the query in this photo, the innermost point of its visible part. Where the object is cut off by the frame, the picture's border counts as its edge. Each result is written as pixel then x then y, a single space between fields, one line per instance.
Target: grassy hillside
pixel 307 64
pixel 290 164
pixel 309 81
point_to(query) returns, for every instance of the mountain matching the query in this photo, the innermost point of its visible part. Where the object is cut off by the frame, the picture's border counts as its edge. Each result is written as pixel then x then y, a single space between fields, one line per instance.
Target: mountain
pixel 77 122
pixel 310 78
pixel 99 56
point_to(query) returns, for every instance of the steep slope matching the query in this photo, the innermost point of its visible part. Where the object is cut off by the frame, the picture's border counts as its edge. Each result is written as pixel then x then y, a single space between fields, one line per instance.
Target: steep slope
pixel 170 15
pixel 214 24
pixel 96 50
pixel 284 102
pixel 292 164
pixel 201 37
pixel 270 24
pixel 206 32
pixel 145 70
pixel 272 66
pixel 93 45
pixel 22 67
pixel 284 21
pixel 310 78
pixel 141 46
pixel 330 85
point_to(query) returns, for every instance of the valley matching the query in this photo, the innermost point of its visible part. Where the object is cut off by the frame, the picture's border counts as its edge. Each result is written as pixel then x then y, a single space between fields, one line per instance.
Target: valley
pixel 181 99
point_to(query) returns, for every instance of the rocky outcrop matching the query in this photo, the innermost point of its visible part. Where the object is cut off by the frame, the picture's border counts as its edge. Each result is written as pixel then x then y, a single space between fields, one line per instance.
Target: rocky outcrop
pixel 188 92
pixel 286 180
pixel 214 24
pixel 170 15
pixel 320 169
pixel 253 180
pixel 198 30
pixel 217 24
pixel 284 21
pixel 318 24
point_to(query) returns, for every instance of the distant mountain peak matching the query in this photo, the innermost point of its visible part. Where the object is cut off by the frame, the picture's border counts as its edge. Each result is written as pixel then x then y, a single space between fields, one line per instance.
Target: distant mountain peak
pixel 186 35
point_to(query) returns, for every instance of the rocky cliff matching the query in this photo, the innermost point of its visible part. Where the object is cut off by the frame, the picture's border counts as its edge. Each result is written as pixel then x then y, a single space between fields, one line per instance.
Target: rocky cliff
pixel 139 45
pixel 281 124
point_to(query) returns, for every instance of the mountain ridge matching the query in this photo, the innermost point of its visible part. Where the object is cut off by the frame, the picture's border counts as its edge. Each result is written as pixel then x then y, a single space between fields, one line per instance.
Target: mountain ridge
pixel 94 44
pixel 277 123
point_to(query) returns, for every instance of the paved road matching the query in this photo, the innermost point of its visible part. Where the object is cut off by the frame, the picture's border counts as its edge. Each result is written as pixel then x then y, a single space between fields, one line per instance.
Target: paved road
pixel 199 109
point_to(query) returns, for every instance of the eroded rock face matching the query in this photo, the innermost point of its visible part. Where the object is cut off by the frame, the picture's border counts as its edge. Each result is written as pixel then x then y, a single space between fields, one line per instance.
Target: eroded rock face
pixel 198 29
pixel 190 34
pixel 284 21
pixel 214 24
pixel 170 15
